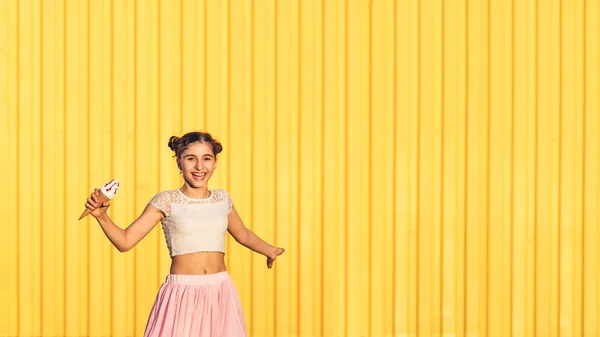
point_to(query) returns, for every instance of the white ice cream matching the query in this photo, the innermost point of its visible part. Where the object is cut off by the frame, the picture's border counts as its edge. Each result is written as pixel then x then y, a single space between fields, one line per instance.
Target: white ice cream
pixel 110 188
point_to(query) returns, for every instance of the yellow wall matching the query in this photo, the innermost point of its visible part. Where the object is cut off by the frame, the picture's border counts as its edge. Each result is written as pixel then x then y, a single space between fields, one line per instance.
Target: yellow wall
pixel 432 167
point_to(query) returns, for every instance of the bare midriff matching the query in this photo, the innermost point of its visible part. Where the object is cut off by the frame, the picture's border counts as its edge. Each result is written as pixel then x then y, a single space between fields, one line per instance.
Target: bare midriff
pixel 198 263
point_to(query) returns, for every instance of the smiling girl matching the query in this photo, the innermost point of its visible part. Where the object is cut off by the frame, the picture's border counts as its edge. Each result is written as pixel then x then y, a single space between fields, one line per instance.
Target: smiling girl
pixel 198 297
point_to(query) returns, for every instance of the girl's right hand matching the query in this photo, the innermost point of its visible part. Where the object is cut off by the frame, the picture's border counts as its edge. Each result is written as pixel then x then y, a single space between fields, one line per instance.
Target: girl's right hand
pixel 94 204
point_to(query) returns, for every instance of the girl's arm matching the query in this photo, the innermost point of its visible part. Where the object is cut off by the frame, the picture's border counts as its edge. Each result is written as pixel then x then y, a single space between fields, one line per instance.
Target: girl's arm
pixel 124 239
pixel 248 239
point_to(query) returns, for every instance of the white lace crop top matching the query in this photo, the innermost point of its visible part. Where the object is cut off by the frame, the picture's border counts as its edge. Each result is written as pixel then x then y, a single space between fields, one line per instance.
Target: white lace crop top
pixel 193 225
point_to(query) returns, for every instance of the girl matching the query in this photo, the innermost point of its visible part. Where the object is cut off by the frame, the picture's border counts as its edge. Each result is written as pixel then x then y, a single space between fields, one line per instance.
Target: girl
pixel 198 297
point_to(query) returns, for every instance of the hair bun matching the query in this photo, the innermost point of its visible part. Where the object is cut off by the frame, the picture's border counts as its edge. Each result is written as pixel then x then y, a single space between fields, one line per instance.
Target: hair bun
pixel 217 147
pixel 173 142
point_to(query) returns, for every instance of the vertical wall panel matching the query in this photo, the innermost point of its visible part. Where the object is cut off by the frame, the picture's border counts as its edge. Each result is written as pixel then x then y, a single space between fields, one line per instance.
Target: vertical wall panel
pixel 431 167
pixel 532 165
pixel 29 130
pixel 453 180
pixel 78 126
pixel 500 184
pixel 358 157
pixel 286 277
pixel 263 141
pixel 548 174
pixel 477 149
pixel 591 170
pixel 522 159
pixel 9 106
pixel 572 68
pixel 407 121
pixel 53 177
pixel 382 91
pixel 334 289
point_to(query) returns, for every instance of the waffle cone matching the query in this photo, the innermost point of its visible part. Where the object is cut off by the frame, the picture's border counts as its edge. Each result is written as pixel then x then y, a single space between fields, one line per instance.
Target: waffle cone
pixel 101 199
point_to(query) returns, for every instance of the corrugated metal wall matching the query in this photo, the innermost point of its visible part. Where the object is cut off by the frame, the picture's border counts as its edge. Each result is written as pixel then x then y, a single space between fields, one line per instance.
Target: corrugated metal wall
pixel 432 167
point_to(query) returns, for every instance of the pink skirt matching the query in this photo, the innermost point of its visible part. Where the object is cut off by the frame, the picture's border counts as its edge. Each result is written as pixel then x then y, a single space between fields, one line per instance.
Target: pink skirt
pixel 197 305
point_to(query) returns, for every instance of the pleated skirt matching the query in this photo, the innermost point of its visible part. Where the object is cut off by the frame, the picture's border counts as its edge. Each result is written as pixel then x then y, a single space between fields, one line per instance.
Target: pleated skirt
pixel 197 306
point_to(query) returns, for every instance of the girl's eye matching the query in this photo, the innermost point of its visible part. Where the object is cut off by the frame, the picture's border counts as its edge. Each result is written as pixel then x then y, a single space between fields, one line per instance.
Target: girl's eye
pixel 190 159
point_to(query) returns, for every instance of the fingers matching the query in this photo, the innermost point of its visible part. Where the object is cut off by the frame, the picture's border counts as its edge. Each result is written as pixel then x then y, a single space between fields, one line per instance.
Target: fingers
pixel 92 201
pixel 90 206
pixel 95 195
pixel 93 204
pixel 270 262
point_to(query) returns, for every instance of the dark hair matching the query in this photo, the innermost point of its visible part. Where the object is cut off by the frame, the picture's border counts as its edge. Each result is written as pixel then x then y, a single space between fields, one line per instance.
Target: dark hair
pixel 179 145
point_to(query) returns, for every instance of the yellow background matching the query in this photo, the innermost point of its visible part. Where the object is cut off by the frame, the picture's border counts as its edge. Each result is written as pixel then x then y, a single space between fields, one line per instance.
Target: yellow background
pixel 431 167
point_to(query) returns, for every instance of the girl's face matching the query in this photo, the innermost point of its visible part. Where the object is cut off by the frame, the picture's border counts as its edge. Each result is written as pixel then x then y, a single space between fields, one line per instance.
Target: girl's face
pixel 197 164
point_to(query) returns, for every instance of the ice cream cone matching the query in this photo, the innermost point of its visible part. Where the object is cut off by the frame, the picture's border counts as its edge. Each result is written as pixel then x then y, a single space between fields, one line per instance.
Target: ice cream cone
pixel 101 199
pixel 106 193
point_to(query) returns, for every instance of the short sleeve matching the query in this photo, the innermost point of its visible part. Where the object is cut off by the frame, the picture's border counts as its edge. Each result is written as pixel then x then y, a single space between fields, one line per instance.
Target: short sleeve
pixel 229 202
pixel 161 201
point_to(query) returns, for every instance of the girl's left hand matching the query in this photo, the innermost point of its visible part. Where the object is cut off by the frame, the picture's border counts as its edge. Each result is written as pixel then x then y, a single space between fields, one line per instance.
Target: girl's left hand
pixel 270 259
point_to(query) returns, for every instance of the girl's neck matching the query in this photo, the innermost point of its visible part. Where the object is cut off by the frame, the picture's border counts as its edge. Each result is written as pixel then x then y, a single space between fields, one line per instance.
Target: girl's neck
pixel 195 193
